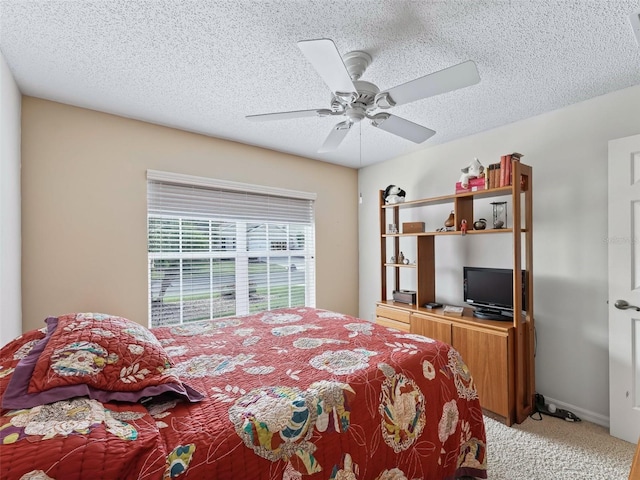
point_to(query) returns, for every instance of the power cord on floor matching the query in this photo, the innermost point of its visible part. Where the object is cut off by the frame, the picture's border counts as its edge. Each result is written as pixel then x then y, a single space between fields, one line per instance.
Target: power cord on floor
pixel 541 407
pixel 533 416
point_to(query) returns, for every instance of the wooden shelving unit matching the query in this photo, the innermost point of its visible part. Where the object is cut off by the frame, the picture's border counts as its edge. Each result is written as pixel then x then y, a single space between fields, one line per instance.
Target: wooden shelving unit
pixel 499 354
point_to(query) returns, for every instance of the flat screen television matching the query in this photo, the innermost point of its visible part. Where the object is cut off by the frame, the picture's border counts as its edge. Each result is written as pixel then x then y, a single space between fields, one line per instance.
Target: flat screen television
pixel 490 290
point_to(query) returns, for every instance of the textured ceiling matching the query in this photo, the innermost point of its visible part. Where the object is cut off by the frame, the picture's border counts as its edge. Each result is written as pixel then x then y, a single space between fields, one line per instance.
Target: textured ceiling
pixel 203 65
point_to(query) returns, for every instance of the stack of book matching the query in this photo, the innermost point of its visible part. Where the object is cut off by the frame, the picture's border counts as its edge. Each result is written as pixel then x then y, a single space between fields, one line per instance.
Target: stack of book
pixel 499 174
pixel 475 184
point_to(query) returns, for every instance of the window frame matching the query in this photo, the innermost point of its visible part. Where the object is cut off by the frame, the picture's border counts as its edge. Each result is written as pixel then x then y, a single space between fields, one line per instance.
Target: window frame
pixel 241 255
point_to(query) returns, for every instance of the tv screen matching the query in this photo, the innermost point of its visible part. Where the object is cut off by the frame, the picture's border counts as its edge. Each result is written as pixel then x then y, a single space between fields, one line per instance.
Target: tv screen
pixel 491 288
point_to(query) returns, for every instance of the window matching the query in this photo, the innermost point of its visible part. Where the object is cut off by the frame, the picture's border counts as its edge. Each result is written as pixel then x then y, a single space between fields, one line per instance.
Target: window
pixel 220 248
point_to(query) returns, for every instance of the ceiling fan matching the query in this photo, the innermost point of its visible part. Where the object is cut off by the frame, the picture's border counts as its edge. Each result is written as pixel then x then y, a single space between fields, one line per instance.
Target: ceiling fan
pixel 357 99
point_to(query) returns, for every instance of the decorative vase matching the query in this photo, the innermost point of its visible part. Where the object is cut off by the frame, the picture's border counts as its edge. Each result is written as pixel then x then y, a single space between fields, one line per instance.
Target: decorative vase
pixel 450 222
pixel 480 224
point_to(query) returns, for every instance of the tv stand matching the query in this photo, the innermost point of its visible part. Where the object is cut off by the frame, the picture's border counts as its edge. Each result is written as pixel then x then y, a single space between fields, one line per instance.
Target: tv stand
pixel 489 314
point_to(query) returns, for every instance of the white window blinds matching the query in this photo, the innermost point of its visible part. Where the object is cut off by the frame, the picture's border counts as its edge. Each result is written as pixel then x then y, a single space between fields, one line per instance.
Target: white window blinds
pixel 221 248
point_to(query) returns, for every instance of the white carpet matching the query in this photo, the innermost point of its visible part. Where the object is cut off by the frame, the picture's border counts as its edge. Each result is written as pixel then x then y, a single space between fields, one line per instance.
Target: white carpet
pixel 554 449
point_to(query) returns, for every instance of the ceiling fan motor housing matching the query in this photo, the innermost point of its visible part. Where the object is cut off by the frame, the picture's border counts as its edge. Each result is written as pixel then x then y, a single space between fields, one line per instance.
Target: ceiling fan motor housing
pixel 364 96
pixel 364 101
pixel 367 92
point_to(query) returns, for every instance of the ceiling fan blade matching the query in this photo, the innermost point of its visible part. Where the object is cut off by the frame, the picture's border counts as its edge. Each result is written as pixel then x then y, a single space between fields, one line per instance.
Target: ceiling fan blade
pixel 318 112
pixel 336 136
pixel 401 127
pixel 326 59
pixel 452 78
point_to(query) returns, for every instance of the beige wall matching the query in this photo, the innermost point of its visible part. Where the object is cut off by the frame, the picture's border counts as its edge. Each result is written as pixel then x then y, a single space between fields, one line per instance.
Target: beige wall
pixel 84 208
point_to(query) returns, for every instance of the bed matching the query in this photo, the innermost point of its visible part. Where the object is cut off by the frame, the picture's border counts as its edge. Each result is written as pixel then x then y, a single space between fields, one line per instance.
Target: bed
pixel 286 394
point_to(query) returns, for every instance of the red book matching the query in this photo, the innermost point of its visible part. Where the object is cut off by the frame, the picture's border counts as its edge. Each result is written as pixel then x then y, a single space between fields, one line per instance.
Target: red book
pixel 459 188
pixel 475 184
pixel 507 176
pixel 503 170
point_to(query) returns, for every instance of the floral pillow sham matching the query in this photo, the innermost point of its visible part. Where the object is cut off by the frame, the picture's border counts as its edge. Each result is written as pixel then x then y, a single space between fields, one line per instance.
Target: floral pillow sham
pixel 104 357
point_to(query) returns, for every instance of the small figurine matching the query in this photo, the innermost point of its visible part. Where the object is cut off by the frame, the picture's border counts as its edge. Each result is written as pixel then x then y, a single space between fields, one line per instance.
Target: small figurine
pixel 401 258
pixel 474 170
pixel 463 226
pixel 394 194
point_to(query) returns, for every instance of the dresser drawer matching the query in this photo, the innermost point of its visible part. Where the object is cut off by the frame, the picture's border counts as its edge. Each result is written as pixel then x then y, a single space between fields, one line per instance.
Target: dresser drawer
pixel 386 322
pixel 393 314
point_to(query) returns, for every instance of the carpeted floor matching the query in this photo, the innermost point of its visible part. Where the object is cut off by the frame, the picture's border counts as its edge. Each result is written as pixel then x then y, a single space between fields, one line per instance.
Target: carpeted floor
pixel 554 449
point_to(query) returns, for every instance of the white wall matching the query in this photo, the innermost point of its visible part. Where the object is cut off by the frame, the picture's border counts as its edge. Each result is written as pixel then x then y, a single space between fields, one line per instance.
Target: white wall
pixel 567 149
pixel 10 251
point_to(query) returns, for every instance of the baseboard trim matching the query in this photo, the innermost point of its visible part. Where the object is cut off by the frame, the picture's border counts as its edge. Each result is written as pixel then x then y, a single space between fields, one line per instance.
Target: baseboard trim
pixel 586 415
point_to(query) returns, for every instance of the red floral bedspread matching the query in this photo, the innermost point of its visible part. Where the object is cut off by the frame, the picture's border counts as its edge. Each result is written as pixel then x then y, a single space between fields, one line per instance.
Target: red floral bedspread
pixel 290 394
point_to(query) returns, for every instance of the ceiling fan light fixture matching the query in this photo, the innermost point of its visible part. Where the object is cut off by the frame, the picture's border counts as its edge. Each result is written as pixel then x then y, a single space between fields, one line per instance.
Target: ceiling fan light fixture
pixel 356 113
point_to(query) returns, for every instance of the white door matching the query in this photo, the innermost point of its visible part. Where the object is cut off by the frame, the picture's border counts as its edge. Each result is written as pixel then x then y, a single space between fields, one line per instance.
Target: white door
pixel 624 288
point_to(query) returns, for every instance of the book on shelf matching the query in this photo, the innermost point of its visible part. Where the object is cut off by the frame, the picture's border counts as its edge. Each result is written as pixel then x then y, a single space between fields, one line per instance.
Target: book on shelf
pixel 487 175
pixel 494 175
pixel 507 174
pixel 452 310
pixel 506 163
pixel 475 184
pixel 503 170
